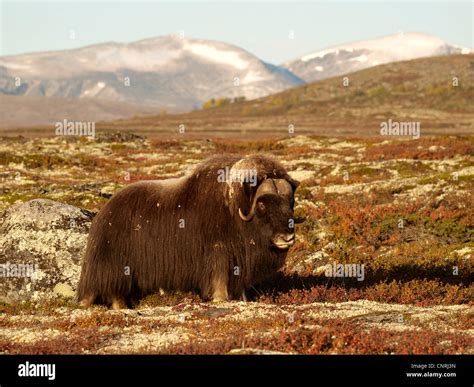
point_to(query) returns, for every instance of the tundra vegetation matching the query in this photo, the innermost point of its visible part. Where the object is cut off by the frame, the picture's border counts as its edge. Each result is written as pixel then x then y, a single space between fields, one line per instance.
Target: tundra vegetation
pixel 402 207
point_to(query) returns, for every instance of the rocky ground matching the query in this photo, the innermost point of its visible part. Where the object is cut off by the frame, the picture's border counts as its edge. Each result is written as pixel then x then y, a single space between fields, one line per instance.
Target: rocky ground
pixel 402 208
pixel 242 328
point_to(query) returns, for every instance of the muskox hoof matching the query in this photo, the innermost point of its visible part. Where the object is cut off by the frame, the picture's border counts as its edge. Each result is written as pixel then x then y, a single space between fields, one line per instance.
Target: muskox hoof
pixel 119 303
pixel 220 295
pixel 217 300
pixel 86 301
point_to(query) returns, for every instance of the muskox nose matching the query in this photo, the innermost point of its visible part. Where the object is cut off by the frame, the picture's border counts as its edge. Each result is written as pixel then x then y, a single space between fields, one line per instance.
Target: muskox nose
pixel 284 241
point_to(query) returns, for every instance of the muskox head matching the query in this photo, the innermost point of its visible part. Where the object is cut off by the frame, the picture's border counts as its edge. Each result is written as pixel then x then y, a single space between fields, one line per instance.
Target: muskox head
pixel 272 211
pixel 266 202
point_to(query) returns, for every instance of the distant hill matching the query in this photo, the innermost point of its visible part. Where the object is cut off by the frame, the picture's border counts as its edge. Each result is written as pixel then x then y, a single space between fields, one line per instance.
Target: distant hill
pixel 349 57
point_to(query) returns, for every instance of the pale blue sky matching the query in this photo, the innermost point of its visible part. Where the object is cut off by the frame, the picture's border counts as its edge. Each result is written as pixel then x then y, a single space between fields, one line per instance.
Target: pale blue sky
pixel 259 27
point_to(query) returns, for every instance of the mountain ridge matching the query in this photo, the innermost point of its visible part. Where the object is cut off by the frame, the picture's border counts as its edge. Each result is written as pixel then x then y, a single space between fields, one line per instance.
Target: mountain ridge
pixel 187 73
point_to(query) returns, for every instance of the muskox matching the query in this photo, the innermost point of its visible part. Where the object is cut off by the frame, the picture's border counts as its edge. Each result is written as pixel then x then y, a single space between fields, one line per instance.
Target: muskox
pixel 217 231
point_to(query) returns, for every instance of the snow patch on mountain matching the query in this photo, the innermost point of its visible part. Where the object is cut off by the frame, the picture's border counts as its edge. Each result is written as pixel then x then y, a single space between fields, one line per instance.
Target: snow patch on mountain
pixel 211 53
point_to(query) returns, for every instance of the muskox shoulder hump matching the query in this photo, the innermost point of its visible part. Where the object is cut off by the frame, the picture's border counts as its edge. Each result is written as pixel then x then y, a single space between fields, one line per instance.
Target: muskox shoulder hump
pixel 168 186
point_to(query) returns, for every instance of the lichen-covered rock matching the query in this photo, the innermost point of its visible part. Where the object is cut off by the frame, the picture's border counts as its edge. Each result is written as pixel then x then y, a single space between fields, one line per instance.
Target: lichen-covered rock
pixel 42 243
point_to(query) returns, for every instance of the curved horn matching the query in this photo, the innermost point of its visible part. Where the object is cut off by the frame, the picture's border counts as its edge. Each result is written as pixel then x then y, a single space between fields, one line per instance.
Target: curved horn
pixel 284 188
pixel 268 186
pixel 246 218
pixel 294 183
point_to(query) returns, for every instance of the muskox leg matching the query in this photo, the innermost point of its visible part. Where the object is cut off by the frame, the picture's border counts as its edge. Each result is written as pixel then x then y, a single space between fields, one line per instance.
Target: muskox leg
pixel 244 296
pixel 219 288
pixel 87 301
pixel 119 303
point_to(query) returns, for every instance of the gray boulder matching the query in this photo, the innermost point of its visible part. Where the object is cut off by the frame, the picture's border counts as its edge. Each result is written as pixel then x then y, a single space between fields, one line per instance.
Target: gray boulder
pixel 42 243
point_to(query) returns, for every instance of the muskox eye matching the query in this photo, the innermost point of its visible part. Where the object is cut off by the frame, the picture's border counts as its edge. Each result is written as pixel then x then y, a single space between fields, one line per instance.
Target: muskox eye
pixel 261 207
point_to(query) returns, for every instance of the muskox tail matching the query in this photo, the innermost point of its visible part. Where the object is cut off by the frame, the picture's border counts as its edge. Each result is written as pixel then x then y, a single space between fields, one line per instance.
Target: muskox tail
pixel 104 283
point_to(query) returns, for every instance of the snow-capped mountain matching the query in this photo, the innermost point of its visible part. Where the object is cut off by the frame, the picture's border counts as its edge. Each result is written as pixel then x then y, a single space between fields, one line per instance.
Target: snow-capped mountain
pixel 350 57
pixel 170 72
